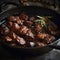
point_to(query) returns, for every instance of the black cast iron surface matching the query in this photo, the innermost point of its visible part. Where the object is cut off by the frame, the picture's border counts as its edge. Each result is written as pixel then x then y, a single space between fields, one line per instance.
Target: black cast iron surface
pixel 52 55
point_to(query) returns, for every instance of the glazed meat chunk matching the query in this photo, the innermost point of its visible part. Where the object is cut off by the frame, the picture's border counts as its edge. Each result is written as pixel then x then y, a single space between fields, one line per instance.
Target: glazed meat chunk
pixel 12 37
pixel 20 40
pixel 4 30
pixel 38 28
pixel 23 16
pixel 15 19
pixel 28 23
pixel 26 31
pixel 46 37
pixel 8 39
pixel 12 18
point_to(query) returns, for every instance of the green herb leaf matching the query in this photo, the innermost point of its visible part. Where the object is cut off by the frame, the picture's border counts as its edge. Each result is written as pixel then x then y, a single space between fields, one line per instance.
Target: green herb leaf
pixel 41 21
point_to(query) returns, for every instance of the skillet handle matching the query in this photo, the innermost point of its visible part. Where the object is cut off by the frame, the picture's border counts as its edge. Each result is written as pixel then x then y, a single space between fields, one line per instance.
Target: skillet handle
pixel 55 45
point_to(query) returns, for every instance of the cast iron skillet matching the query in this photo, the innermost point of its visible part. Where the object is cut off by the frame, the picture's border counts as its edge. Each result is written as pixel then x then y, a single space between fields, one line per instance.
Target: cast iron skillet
pixel 31 10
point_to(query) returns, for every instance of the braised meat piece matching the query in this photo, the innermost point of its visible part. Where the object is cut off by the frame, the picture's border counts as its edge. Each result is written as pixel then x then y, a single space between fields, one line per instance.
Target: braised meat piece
pixel 10 24
pixel 52 27
pixel 15 19
pixel 4 30
pixel 15 38
pixel 46 37
pixel 15 27
pixel 13 44
pixel 18 20
pixel 32 18
pixel 26 31
pixel 50 39
pixel 38 28
pixel 41 44
pixel 12 18
pixel 23 16
pixel 55 33
pixel 12 36
pixel 8 39
pixel 42 35
pixel 20 40
pixel 23 30
pixel 29 33
pixel 28 23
